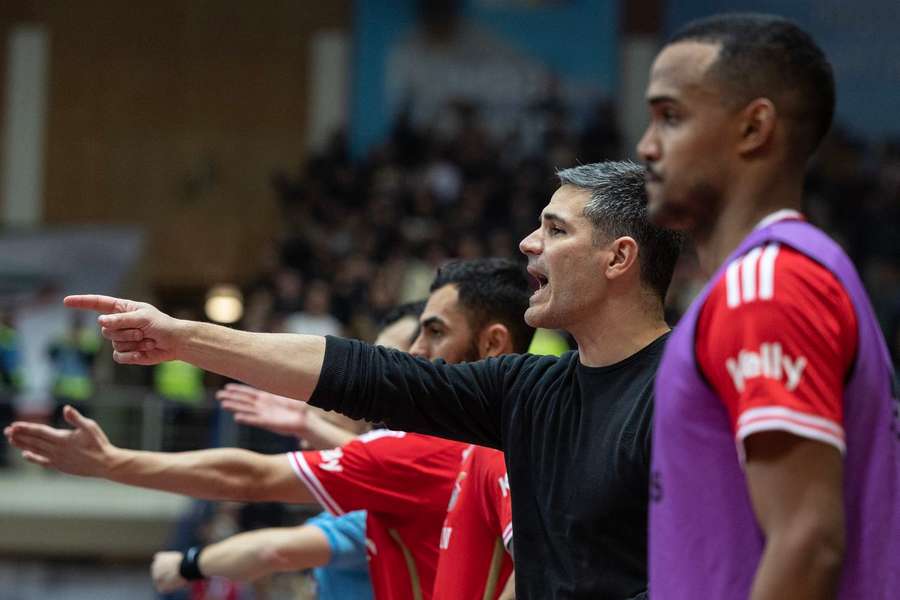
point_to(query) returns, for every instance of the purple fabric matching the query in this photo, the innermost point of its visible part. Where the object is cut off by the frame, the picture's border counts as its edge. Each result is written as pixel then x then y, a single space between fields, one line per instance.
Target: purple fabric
pixel 704 538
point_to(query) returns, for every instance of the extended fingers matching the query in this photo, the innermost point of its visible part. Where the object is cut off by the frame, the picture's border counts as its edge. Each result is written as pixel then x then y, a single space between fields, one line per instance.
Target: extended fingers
pixel 36 458
pixel 96 302
pixel 240 387
pixel 237 406
pixel 34 444
pixel 24 428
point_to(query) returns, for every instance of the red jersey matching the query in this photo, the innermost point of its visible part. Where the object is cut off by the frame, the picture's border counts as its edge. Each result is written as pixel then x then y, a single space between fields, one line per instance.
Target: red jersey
pixel 403 481
pixel 776 339
pixel 476 538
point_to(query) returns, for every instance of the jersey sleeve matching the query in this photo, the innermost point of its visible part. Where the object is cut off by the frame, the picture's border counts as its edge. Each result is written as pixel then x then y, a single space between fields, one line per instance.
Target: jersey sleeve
pixel 776 340
pixel 382 471
pixel 496 484
pixel 346 537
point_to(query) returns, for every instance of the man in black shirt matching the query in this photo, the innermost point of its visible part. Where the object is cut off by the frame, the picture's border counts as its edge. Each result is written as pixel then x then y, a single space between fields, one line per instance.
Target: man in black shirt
pixel 575 430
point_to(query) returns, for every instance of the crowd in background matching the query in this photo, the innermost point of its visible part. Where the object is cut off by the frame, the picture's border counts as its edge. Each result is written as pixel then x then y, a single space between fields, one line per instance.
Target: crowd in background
pixel 361 236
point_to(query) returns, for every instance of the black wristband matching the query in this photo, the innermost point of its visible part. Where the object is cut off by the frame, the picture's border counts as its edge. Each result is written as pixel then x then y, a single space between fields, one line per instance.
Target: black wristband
pixel 190 564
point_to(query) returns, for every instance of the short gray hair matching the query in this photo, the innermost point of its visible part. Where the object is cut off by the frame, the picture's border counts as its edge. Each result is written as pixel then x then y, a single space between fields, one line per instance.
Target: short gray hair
pixel 618 207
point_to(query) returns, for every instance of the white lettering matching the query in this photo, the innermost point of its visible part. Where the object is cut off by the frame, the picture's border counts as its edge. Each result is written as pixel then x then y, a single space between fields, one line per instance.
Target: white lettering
pixel 750 364
pixel 504 485
pixel 736 376
pixel 331 460
pixel 794 371
pixel 770 362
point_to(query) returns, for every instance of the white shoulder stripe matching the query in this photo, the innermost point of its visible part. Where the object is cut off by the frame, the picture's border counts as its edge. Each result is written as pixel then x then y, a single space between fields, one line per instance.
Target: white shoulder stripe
pixel 752 276
pixel 732 285
pixel 767 272
pixel 748 275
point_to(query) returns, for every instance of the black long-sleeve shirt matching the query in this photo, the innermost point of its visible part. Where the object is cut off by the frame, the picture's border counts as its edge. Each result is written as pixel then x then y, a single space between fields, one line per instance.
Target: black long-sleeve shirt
pixel 576 440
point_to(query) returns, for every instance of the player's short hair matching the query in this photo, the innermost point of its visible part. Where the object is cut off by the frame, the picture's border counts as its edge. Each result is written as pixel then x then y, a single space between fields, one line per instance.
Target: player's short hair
pixel 618 207
pixel 491 290
pixel 769 56
pixel 404 311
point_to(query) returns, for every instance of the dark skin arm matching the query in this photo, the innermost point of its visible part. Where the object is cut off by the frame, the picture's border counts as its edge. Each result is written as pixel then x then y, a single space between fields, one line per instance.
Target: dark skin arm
pixel 796 488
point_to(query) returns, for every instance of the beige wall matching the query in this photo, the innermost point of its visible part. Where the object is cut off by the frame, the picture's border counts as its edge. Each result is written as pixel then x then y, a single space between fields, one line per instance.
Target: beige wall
pixel 173 115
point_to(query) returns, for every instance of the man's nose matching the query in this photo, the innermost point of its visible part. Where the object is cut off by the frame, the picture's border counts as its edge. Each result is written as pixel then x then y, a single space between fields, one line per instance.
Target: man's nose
pixel 531 244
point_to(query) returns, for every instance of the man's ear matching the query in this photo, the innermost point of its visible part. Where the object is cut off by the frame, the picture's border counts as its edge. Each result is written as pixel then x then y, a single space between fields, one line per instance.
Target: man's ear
pixel 494 340
pixel 623 256
pixel 757 125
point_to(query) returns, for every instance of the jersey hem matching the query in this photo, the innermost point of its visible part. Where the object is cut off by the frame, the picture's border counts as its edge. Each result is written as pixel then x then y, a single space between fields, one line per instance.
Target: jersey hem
pixel 779 418
pixel 508 537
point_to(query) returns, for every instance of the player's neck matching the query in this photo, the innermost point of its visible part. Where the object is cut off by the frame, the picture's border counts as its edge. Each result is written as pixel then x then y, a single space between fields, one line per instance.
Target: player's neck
pixel 617 331
pixel 745 207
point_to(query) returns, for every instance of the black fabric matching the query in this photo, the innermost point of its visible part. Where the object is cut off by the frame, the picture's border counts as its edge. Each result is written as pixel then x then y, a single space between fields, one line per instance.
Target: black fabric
pixel 576 439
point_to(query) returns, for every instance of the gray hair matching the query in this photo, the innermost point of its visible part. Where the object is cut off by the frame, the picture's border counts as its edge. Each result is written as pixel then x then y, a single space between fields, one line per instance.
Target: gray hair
pixel 618 207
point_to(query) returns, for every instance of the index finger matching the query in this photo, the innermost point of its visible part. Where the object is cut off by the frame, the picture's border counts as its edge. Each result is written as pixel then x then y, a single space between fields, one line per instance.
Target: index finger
pixel 96 302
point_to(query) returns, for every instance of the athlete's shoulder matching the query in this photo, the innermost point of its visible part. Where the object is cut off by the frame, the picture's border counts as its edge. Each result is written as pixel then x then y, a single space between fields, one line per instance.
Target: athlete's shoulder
pixel 773 274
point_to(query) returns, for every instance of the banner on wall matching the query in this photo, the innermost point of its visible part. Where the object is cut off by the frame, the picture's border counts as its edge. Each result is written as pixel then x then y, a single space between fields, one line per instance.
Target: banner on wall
pixel 859 38
pixel 419 57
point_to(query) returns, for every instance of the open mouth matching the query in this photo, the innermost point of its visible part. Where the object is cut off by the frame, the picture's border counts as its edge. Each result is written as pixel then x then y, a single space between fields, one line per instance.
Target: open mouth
pixel 538 280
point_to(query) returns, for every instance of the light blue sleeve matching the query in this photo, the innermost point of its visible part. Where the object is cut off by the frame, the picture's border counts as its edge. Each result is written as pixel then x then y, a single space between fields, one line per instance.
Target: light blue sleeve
pixel 346 537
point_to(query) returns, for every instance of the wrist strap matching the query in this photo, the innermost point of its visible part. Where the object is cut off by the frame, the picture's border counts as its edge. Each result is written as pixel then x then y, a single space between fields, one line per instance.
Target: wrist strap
pixel 190 564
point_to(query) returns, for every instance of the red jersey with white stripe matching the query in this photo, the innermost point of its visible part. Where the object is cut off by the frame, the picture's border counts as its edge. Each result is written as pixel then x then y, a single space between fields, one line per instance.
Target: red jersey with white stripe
pixel 404 481
pixel 776 339
pixel 476 538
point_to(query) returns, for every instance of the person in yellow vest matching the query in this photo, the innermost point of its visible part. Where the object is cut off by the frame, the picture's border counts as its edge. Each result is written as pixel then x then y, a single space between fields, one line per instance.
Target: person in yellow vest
pixel 73 356
pixel 549 342
pixel 10 375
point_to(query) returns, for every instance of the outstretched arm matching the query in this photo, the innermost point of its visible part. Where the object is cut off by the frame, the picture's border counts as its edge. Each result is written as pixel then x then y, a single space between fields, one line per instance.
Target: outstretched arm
pixel 457 401
pixel 282 415
pixel 248 556
pixel 218 474
pixel 285 364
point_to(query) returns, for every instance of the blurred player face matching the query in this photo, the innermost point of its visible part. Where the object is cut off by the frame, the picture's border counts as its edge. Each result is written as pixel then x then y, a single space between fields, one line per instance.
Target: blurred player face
pixel 565 263
pixel 686 145
pixel 398 335
pixel 445 331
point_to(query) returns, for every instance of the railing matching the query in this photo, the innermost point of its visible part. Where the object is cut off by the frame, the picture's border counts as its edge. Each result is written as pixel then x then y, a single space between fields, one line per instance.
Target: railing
pixel 135 417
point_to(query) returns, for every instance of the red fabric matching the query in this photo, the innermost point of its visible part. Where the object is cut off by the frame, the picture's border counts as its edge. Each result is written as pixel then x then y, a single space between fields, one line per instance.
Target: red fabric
pixel 776 339
pixel 479 514
pixel 403 480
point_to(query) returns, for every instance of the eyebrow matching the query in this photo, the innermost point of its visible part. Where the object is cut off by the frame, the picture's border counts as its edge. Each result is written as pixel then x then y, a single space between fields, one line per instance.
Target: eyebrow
pixel 660 99
pixel 433 321
pixel 549 216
